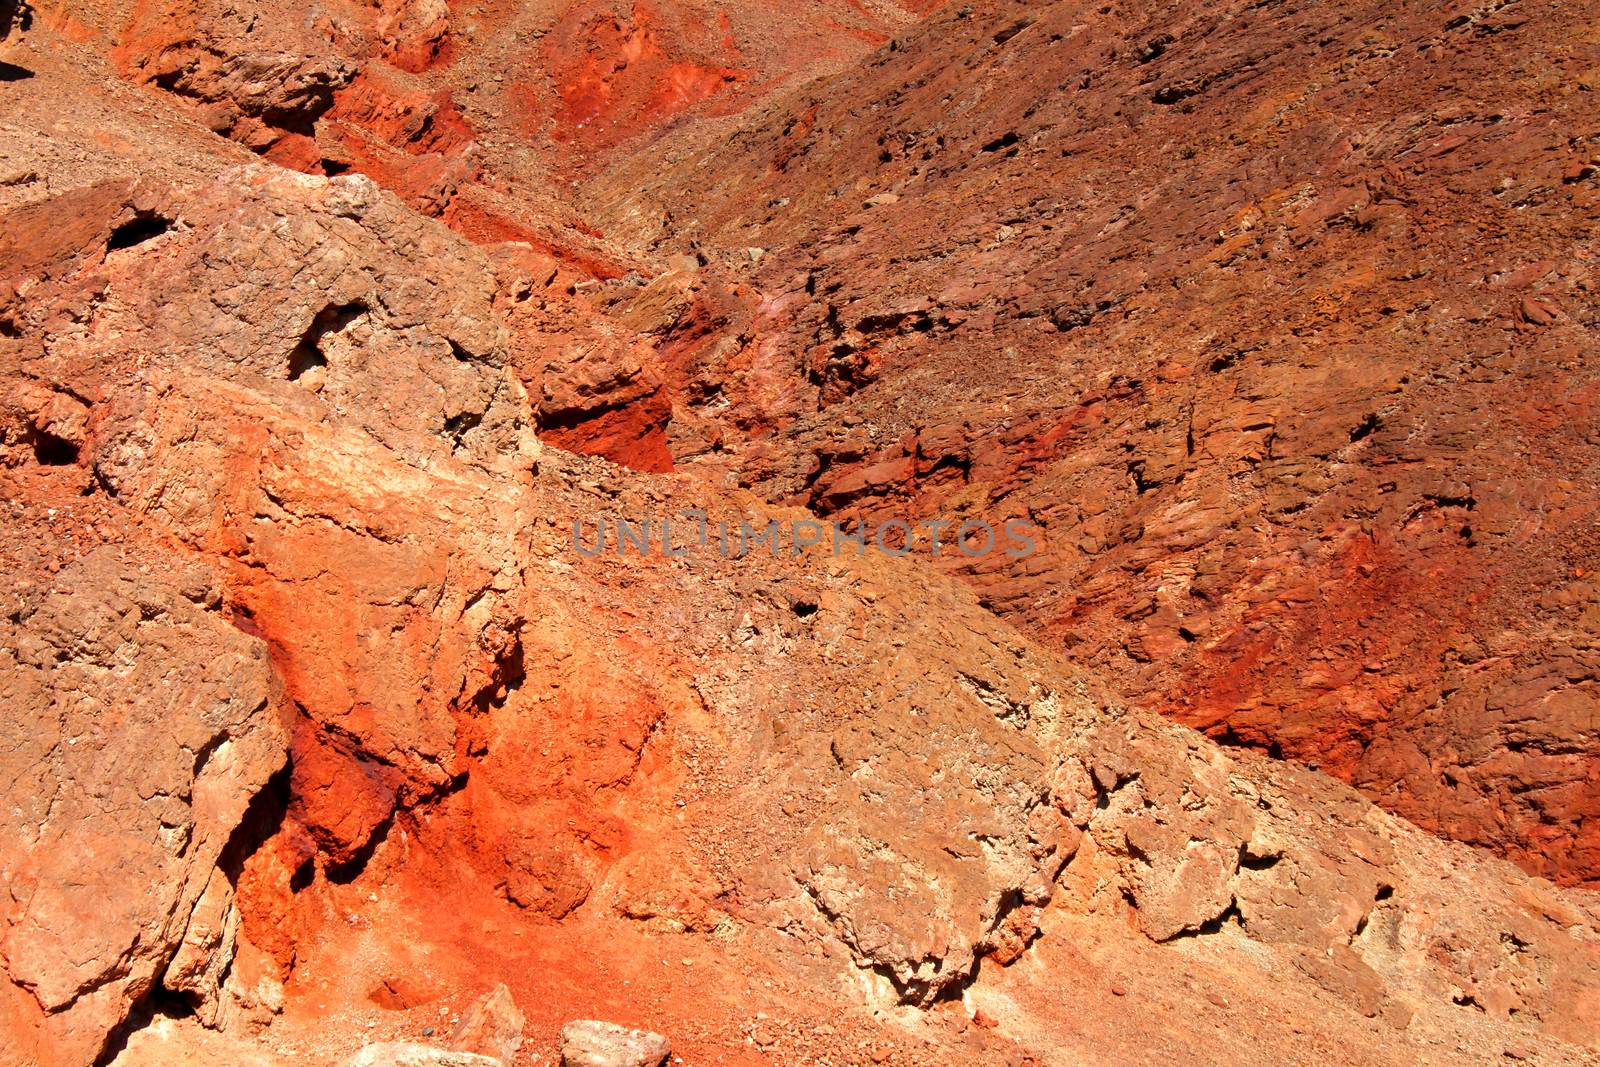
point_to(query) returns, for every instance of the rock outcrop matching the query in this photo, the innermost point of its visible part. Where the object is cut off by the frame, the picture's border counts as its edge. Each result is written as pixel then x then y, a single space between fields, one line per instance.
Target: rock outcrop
pixel 142 745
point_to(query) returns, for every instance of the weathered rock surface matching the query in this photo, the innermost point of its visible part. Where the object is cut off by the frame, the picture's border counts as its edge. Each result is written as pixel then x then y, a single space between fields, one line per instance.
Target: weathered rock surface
pixel 408 1054
pixel 141 729
pixel 361 732
pixel 492 1027
pixel 588 1043
pixel 1274 319
pixel 182 1043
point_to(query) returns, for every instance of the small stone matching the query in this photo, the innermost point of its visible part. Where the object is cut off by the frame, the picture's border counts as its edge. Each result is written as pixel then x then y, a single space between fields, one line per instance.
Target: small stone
pixel 1537 312
pixel 590 1043
pixel 881 200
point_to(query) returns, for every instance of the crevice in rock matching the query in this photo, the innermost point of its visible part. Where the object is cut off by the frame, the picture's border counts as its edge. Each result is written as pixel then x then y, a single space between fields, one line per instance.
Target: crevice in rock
pixel 1005 140
pixel 1002 36
pixel 1213 925
pixel 347 871
pixel 1249 861
pixel 146 226
pixel 508 673
pixel 1103 793
pixel 1368 425
pixel 914 991
pixel 18 13
pixel 1009 903
pixel 308 359
pixel 261 821
pixel 52 451
pixel 456 427
pixel 1228 737
pixel 159 1003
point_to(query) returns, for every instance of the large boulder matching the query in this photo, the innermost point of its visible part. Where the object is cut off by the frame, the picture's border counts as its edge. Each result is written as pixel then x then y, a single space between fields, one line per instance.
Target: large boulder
pixel 139 740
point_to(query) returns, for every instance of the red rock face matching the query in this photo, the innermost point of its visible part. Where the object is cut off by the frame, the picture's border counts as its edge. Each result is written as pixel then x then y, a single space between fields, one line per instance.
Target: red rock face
pixel 322 734
pixel 615 78
pixel 416 144
pixel 1286 357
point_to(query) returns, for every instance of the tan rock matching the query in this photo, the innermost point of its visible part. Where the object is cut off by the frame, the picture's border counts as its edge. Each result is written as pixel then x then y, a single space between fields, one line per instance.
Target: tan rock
pixel 588 1043
pixel 491 1027
pixel 408 1054
pixel 142 728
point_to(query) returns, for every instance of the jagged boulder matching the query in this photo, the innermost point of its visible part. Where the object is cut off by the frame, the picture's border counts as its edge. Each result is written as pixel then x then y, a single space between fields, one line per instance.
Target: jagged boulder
pixel 141 735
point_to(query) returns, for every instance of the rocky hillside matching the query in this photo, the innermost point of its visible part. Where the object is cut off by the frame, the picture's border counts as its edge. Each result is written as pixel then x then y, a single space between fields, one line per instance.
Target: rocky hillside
pixel 328 338
pixel 1280 319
